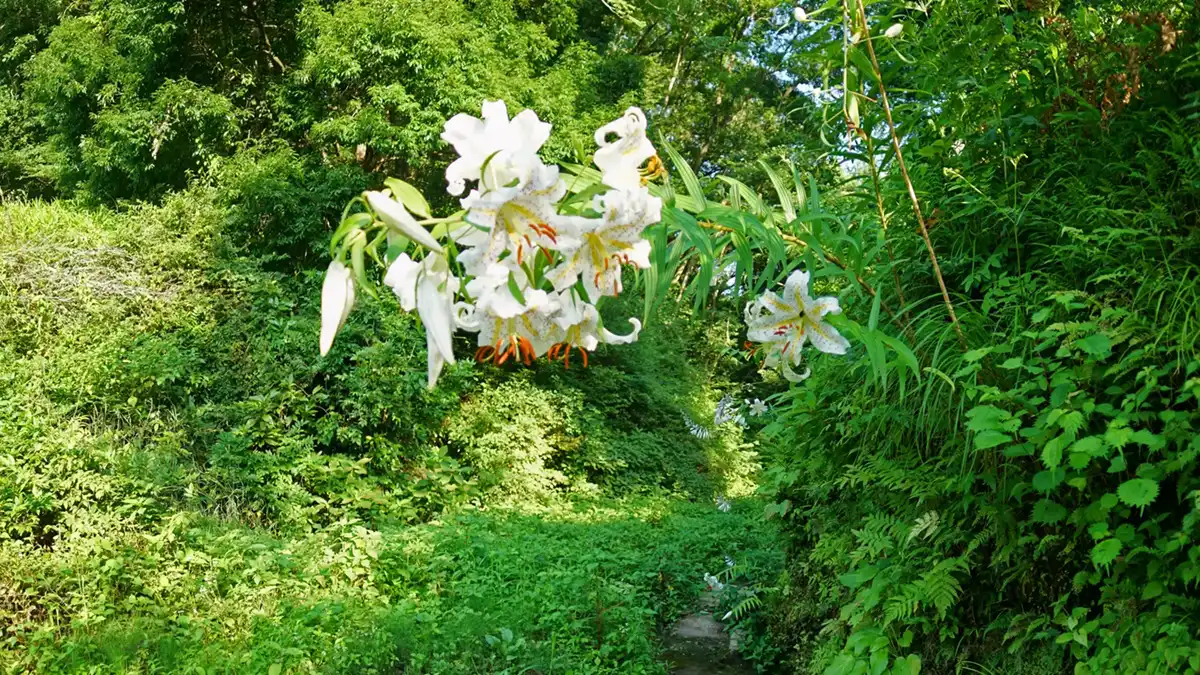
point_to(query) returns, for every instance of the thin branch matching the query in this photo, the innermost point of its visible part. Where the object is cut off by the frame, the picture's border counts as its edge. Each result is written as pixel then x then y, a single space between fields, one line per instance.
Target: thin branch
pixel 262 30
pixel 883 222
pixel 912 193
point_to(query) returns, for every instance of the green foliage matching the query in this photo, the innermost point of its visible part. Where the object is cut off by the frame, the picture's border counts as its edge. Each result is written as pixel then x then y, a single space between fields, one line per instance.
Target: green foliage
pixel 187 484
pixel 125 99
pixel 1056 443
pixel 579 588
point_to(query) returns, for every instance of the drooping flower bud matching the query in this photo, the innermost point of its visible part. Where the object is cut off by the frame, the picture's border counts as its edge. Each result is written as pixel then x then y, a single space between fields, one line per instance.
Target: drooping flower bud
pixel 337 299
pixel 894 31
pixel 800 15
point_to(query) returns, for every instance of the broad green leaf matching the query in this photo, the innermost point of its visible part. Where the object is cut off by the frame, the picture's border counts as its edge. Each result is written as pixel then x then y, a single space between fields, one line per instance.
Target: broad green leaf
pixel 1105 552
pixel 1096 344
pixel 801 198
pixel 685 172
pixel 409 196
pixel 984 417
pixel 1138 492
pixel 1093 446
pixel 1048 512
pixel 781 190
pixel 904 353
pixel 859 576
pixel 1052 453
pixel 990 439
pixel 1045 481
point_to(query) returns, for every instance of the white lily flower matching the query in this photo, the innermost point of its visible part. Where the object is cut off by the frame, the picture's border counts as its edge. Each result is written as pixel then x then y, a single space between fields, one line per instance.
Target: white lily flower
pixel 620 160
pixel 605 243
pixel 799 14
pixel 516 216
pixel 430 287
pixel 503 145
pixel 579 326
pixel 795 318
pixel 516 193
pixel 894 31
pixel 523 337
pixel 491 290
pixel 724 506
pixel 398 218
pixel 758 408
pixel 337 299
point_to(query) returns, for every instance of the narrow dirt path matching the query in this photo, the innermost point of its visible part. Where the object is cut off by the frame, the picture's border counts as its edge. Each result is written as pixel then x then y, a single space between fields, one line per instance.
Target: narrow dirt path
pixel 698 644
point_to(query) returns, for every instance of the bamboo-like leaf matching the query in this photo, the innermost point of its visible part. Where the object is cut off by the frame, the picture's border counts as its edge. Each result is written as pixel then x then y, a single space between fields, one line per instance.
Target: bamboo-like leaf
pixel 785 197
pixel 801 197
pixel 685 172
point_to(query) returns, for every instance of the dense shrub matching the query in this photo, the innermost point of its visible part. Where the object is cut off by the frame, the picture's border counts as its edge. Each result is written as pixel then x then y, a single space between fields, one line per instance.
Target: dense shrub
pixel 1028 504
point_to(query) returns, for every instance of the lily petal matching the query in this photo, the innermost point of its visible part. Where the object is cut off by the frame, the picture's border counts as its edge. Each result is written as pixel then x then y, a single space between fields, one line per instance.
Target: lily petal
pixel 437 313
pixel 614 339
pixel 826 338
pixel 401 277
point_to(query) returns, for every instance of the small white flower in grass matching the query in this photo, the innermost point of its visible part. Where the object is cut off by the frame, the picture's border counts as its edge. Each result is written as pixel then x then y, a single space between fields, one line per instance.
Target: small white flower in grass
pixel 697 430
pixel 799 14
pixel 399 219
pixel 714 584
pixel 723 504
pixel 786 323
pixel 757 408
pixel 894 31
pixel 337 299
pixel 429 287
pixel 740 420
pixel 728 561
pixel 724 411
pixel 621 158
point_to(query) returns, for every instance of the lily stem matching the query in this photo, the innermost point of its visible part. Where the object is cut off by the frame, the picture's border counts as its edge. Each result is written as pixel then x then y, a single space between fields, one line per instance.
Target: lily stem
pixel 912 193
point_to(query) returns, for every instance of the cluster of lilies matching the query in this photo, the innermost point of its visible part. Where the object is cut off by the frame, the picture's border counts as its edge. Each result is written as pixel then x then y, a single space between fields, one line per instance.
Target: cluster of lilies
pixel 525 261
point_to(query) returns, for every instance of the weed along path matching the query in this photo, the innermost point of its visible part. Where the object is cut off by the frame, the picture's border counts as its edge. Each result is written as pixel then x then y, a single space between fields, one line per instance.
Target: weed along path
pixel 593 586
